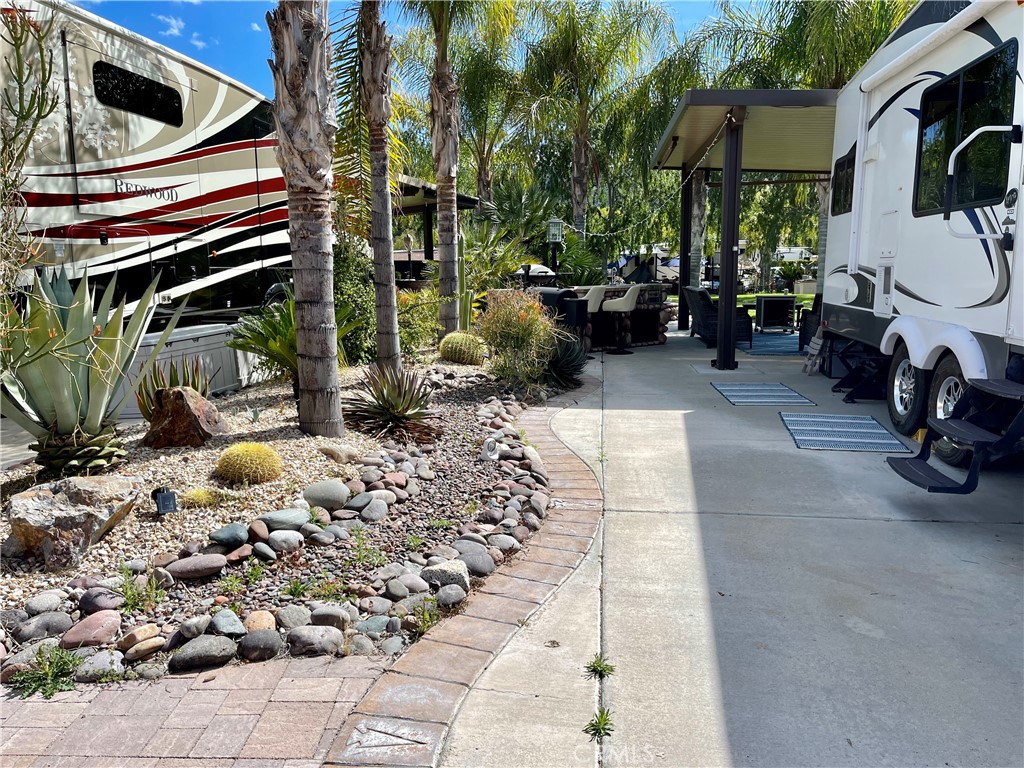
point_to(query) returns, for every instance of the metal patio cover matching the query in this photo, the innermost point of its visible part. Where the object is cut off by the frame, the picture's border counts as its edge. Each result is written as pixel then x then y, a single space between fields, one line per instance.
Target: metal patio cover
pixel 784 130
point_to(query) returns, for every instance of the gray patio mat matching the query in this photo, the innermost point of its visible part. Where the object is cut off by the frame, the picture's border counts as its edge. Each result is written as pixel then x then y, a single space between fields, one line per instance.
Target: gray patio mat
pixel 840 432
pixel 760 393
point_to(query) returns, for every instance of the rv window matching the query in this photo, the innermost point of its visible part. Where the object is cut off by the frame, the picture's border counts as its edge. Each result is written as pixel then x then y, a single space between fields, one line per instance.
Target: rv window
pixel 980 94
pixel 126 90
pixel 842 185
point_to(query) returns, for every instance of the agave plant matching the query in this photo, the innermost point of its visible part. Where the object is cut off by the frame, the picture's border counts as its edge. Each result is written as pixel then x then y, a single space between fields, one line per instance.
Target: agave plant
pixel 63 366
pixel 393 404
pixel 567 363
pixel 193 374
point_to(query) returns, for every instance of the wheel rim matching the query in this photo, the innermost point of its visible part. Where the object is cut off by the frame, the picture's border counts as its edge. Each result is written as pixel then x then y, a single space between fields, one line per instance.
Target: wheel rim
pixel 947 395
pixel 903 388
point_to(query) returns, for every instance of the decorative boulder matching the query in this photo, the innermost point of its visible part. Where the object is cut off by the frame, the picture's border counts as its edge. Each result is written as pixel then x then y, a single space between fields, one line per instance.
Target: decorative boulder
pixel 182 417
pixel 61 520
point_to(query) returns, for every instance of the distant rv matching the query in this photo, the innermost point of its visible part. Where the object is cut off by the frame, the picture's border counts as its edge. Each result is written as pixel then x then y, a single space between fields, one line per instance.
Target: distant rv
pixel 154 163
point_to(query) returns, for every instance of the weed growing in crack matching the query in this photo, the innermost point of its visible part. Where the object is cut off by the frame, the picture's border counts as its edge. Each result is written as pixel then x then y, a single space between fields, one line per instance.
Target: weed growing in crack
pixel 601 727
pixel 599 668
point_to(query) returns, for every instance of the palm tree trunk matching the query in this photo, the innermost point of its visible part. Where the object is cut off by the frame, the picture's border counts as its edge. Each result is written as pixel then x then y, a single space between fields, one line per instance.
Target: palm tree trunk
pixel 580 169
pixel 300 36
pixel 484 181
pixel 698 225
pixel 444 139
pixel 821 188
pixel 375 90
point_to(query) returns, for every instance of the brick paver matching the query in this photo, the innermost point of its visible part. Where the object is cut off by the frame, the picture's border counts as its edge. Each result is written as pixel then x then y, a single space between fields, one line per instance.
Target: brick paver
pixel 304 713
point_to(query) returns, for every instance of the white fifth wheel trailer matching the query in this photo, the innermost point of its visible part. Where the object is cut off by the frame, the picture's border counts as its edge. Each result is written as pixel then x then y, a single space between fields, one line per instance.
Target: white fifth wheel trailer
pixel 154 163
pixel 923 261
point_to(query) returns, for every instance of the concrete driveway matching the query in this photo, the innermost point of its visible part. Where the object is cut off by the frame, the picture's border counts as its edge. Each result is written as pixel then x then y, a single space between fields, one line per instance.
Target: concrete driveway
pixel 766 605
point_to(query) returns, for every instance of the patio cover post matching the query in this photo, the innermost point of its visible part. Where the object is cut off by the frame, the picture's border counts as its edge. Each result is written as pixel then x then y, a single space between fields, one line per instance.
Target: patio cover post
pixel 732 175
pixel 685 242
pixel 428 234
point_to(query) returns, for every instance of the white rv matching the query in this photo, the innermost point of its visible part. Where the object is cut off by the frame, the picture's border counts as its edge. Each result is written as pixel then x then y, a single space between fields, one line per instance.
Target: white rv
pixel 154 163
pixel 924 261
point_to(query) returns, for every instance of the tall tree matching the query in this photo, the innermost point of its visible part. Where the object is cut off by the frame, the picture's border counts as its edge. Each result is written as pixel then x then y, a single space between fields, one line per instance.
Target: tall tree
pixel 306 123
pixel 375 86
pixel 587 51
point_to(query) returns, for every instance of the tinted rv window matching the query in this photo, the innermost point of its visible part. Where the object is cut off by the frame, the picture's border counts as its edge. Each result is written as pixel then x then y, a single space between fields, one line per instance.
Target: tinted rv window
pixel 126 90
pixel 981 94
pixel 842 185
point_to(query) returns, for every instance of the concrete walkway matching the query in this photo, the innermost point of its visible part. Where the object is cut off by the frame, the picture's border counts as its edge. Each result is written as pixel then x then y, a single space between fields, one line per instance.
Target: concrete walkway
pixel 764 605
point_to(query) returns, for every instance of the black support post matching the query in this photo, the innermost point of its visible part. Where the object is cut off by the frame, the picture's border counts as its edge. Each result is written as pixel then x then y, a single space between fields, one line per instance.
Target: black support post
pixel 732 175
pixel 428 234
pixel 685 243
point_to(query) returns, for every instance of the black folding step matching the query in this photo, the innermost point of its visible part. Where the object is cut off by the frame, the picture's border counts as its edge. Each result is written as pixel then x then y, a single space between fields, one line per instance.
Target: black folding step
pixel 963 432
pixel 922 474
pixel 1011 390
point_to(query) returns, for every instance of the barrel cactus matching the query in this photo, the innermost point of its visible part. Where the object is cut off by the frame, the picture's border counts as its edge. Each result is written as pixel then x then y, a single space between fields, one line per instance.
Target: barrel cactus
pixel 464 348
pixel 249 463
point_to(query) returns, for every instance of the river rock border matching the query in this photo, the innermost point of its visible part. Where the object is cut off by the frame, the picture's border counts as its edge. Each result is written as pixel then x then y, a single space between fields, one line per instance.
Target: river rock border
pixel 403 719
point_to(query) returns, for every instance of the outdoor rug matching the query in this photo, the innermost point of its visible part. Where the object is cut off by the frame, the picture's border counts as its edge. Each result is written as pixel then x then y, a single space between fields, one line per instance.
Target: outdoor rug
pixel 834 432
pixel 772 344
pixel 759 393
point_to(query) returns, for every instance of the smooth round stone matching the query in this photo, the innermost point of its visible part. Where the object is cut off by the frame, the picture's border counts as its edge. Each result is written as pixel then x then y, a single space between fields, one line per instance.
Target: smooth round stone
pixel 412 486
pixel 329 494
pixel 292 616
pixel 264 552
pixel 232 535
pixel 285 519
pixel 389 571
pixel 374 511
pixel 472 537
pixel 27 655
pixel 320 640
pixel 371 476
pixel 395 590
pixel 531 521
pixel 479 564
pixel 100 599
pixel 358 502
pixel 393 646
pixel 203 651
pixel 397 479
pixel 504 542
pixel 43 603
pixel 98 628
pixel 309 529
pixel 383 494
pixel 400 495
pixel 443 550
pixel 520 533
pixel 226 622
pixel 260 645
pixel 164 559
pixel 361 645
pixel 137 635
pixel 144 649
pixel 150 670
pixel 423 472
pixel 465 547
pixel 195 626
pixel 377 605
pixel 12 617
pixel 163 578
pixel 374 624
pixel 259 620
pixel 414 583
pixel 284 541
pixel 197 567
pixel 103 664
pixel 41 626
pixel 394 625
pixel 258 531
pixel 239 555
pixel 337 532
pixel 321 539
pixel 331 616
pixel 449 595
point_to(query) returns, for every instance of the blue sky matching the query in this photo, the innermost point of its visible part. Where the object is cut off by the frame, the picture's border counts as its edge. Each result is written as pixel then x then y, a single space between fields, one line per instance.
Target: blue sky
pixel 232 36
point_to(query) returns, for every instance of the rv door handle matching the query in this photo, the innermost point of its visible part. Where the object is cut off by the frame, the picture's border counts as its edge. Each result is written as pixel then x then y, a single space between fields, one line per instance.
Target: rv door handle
pixel 947 208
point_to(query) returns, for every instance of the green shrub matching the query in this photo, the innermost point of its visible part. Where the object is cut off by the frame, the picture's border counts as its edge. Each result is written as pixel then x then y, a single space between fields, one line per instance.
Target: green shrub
pixel 193 374
pixel 462 348
pixel 249 463
pixel 566 364
pixel 391 403
pixel 520 335
pixel 417 321
pixel 353 287
pixel 52 670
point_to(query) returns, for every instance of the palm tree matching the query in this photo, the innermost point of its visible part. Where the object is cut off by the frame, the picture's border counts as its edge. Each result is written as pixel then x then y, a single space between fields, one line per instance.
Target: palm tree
pixel 306 124
pixel 587 51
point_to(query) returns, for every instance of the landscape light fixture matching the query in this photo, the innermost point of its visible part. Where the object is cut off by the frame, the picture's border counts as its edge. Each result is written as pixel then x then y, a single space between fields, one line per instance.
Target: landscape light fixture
pixel 555 236
pixel 166 501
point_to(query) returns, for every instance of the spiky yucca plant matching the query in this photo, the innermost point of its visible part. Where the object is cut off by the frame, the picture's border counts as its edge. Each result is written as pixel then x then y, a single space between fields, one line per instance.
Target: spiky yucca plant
pixel 393 404
pixel 63 365
pixel 566 364
pixel 193 374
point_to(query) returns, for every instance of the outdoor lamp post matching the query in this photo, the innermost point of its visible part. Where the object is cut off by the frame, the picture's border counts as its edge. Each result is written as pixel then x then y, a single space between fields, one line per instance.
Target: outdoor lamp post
pixel 555 237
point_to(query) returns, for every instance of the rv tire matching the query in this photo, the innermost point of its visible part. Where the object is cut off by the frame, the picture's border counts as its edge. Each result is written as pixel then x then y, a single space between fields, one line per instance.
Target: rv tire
pixel 948 386
pixel 906 393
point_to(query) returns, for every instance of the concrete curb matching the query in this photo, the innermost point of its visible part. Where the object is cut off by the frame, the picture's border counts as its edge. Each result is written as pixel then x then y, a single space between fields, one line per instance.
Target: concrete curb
pixel 405 716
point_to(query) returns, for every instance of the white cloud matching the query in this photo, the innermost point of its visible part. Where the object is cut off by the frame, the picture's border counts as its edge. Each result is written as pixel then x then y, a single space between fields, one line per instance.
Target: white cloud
pixel 174 25
pixel 255 27
pixel 197 41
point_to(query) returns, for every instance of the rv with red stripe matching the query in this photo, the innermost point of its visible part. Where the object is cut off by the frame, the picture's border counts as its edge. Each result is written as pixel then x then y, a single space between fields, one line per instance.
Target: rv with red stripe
pixel 153 163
